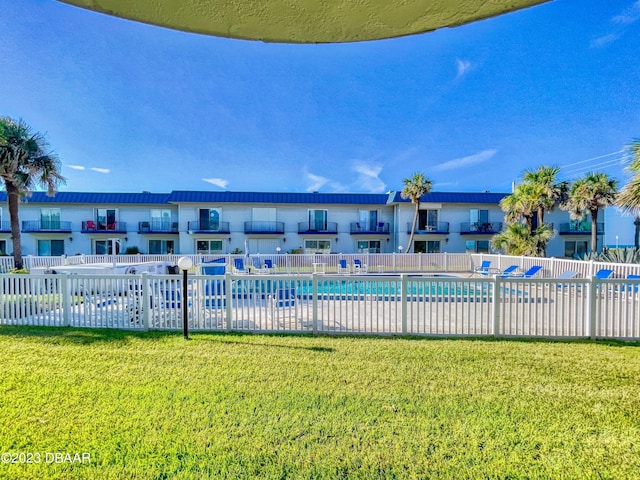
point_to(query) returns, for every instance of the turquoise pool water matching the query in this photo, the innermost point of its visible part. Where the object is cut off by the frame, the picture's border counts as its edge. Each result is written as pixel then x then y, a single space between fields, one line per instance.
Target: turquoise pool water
pixel 390 288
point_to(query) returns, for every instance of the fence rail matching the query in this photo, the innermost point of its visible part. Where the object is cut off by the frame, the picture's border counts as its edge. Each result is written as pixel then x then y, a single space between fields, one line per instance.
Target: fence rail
pixel 389 304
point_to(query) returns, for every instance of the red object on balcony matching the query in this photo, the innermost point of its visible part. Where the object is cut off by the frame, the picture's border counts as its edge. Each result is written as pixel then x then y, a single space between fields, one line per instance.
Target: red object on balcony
pixel 91 225
pixel 112 226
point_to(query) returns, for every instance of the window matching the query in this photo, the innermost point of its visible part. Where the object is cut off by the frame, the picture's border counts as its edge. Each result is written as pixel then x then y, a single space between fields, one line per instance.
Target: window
pixel 50 219
pixel 368 219
pixel 209 219
pixel 106 218
pixel 318 220
pixel 161 247
pixel 477 246
pixel 573 249
pixel 105 247
pixel 209 246
pixel 3 247
pixel 53 248
pixel 370 246
pixel 317 246
pixel 426 246
pixel 427 220
pixel 479 219
pixel 160 219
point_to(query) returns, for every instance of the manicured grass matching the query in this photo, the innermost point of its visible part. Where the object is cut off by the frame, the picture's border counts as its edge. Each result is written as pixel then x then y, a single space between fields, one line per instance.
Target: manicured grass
pixel 152 405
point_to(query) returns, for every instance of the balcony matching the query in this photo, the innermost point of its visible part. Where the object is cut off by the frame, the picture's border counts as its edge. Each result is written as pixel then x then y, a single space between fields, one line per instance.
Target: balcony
pixel 480 228
pixel 264 228
pixel 38 226
pixel 330 228
pixel 157 227
pixel 436 228
pixel 5 227
pixel 196 226
pixel 575 228
pixel 91 226
pixel 367 228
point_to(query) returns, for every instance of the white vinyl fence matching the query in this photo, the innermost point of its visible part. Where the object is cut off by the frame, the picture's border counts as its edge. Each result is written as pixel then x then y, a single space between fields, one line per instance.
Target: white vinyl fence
pixel 389 304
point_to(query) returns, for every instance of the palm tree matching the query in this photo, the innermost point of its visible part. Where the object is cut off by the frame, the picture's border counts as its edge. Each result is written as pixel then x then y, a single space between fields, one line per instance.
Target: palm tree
pixel 517 240
pixel 414 187
pixel 589 194
pixel 548 191
pixel 522 203
pixel 25 162
pixel 629 197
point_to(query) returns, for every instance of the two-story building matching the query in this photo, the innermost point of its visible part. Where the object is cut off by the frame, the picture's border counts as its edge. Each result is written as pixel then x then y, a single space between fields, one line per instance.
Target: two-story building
pixel 266 222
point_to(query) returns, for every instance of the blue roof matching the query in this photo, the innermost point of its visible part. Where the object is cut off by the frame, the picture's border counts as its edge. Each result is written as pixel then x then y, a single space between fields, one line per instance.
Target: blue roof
pixel 99 198
pixel 453 197
pixel 181 196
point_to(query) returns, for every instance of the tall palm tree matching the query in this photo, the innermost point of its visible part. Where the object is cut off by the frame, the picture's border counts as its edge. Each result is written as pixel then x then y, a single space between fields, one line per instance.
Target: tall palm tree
pixel 589 194
pixel 521 204
pixel 629 197
pixel 25 162
pixel 549 192
pixel 414 187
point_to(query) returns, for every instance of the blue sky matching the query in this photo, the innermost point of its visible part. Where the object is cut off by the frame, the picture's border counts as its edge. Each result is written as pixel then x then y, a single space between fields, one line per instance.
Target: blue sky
pixel 132 107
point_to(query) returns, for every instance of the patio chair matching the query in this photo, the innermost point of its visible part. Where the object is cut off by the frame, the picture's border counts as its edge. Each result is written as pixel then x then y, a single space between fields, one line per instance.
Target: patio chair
pixel 485 268
pixel 342 266
pixel 91 225
pixel 359 267
pixel 603 273
pixel 532 272
pixel 112 226
pixel 267 266
pixel 509 271
pixel 238 266
pixel 567 274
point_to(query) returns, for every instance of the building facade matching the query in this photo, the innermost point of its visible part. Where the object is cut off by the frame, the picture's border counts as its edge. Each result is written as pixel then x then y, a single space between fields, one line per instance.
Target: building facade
pixel 187 222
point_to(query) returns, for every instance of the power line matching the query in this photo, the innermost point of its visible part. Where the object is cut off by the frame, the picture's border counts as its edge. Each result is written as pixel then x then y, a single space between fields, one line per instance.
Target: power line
pixel 594 158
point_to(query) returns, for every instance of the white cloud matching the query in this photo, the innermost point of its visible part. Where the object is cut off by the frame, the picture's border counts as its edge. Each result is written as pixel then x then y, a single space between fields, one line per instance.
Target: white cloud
pixel 218 182
pixel 100 170
pixel 316 181
pixel 368 178
pixel 467 161
pixel 76 167
pixel 605 39
pixel 629 16
pixel 463 66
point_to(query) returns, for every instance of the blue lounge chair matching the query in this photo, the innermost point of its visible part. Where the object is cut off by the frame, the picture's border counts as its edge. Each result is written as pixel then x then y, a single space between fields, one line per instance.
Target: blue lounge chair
pixel 342 266
pixel 267 266
pixel 603 273
pixel 214 267
pixel 509 271
pixel 238 266
pixel 359 267
pixel 532 272
pixel 484 268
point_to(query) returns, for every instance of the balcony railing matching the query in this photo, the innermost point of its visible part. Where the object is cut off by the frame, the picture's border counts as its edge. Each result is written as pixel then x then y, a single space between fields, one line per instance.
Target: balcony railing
pixel 329 228
pixel 5 227
pixel 580 229
pixel 264 227
pixel 195 226
pixel 157 227
pixel 438 227
pixel 369 228
pixel 480 228
pixel 91 226
pixel 46 226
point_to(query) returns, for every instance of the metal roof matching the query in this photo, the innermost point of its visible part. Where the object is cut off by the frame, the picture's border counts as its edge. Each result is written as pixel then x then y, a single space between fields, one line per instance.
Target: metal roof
pixel 453 197
pixel 95 198
pixel 181 196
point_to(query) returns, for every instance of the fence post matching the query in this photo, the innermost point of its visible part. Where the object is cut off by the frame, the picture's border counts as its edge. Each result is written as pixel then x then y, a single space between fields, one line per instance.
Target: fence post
pixel 228 296
pixel 314 302
pixel 145 303
pixel 593 288
pixel 496 305
pixel 66 299
pixel 446 262
pixel 404 301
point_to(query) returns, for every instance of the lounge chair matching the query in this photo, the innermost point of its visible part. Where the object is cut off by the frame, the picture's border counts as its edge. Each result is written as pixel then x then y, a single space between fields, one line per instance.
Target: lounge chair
pixel 214 267
pixel 603 273
pixel 485 268
pixel 342 266
pixel 238 266
pixel 567 274
pixel 532 272
pixel 509 271
pixel 359 267
pixel 267 266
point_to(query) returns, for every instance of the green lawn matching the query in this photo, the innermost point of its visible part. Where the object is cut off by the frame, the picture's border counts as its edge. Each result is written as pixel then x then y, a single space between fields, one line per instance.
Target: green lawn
pixel 152 405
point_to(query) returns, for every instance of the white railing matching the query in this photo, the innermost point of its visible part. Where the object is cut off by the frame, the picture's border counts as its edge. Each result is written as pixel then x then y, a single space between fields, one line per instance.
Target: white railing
pixel 400 304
